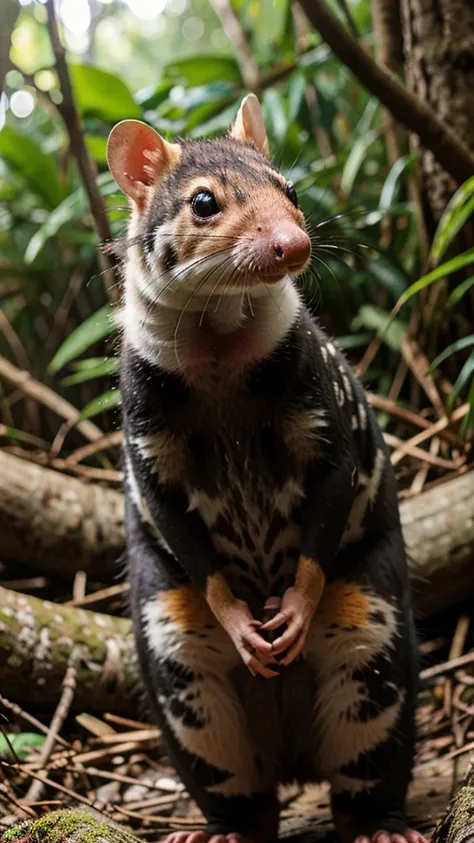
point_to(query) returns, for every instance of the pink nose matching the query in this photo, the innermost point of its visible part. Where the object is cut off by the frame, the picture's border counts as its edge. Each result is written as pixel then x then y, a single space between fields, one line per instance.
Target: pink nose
pixel 291 246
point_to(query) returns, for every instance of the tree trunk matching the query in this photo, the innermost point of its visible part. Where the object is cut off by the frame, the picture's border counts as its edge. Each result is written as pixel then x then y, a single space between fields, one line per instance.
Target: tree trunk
pixel 438 38
pixel 36 639
pixel 58 524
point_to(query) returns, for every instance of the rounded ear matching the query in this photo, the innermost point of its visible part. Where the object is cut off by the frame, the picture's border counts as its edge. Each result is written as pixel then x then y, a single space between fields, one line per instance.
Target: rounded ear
pixel 138 157
pixel 249 126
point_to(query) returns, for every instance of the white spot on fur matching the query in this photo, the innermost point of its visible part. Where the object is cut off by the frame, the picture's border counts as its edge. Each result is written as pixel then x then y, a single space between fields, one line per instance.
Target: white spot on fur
pixel 355 423
pixel 286 497
pixel 367 495
pixel 362 415
pixel 331 348
pixel 324 353
pixel 209 508
pixel 338 393
pixel 142 506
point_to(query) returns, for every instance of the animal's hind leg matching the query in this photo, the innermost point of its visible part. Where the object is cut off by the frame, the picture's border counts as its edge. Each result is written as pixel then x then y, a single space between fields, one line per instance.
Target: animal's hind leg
pixel 186 658
pixel 363 646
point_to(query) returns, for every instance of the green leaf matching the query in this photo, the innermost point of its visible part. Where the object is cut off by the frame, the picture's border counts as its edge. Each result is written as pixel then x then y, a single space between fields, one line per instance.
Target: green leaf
pixel 20 435
pixel 389 330
pixel 468 420
pixel 389 189
pixel 355 160
pixel 274 114
pixel 103 402
pixel 22 743
pixel 354 340
pixel 464 376
pixel 454 217
pixel 95 328
pixel 97 147
pixel 296 89
pixel 389 274
pixel 101 94
pixel 105 366
pixel 453 265
pixel 75 205
pixel 202 69
pixel 26 158
pixel 460 291
pixel 459 345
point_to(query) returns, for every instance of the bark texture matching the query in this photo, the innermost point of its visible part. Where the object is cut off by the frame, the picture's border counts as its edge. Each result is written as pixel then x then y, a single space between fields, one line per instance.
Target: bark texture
pixel 438 40
pixel 58 524
pixel 457 825
pixel 69 827
pixel 438 527
pixel 36 639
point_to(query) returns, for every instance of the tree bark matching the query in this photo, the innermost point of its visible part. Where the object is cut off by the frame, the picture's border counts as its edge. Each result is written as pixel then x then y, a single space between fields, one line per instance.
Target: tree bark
pixel 69 827
pixel 36 639
pixel 438 38
pixel 438 527
pixel 457 825
pixel 58 524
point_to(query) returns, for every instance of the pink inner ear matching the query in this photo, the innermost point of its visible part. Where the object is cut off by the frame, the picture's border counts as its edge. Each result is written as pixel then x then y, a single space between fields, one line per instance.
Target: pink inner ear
pixel 143 155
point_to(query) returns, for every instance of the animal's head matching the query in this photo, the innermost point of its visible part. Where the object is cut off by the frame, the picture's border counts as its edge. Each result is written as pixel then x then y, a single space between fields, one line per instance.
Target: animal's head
pixel 216 211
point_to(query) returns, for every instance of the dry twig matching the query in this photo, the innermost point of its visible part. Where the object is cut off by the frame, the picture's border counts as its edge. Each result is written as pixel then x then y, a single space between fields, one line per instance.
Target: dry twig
pixel 34 389
pixel 62 710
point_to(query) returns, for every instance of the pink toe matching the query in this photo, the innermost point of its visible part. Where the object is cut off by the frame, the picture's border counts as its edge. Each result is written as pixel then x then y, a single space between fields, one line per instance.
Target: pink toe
pixel 362 839
pixel 381 837
pixel 416 836
pixel 398 838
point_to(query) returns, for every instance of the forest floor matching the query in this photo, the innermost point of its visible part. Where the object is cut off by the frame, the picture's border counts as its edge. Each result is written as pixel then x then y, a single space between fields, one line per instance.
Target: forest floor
pixel 119 766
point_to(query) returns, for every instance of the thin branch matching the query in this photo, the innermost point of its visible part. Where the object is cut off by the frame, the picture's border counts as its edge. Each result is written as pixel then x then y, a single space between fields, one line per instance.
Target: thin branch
pixel 65 701
pixel 238 39
pixel 46 396
pixel 87 169
pixel 451 153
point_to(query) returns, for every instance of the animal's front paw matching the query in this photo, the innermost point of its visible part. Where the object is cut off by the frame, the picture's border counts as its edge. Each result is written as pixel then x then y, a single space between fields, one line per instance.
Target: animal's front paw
pixel 296 612
pixel 382 836
pixel 241 627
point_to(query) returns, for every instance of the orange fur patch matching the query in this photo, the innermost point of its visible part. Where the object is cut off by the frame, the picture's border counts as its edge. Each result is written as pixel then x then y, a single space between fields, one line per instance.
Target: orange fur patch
pixel 218 593
pixel 310 579
pixel 186 607
pixel 343 603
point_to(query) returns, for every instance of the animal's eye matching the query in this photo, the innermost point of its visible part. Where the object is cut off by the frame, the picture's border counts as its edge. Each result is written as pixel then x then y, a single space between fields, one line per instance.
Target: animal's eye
pixel 291 193
pixel 204 204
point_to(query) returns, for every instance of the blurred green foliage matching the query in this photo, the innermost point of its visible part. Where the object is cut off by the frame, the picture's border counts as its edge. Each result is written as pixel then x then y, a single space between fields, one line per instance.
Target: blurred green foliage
pixel 178 72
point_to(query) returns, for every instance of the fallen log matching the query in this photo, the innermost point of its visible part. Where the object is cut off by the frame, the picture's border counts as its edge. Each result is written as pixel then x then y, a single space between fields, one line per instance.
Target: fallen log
pixel 36 639
pixel 58 524
pixel 438 527
pixel 457 825
pixel 69 827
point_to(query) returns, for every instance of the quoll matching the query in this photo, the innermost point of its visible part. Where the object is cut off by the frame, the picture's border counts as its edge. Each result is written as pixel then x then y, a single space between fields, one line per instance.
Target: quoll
pixel 255 477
